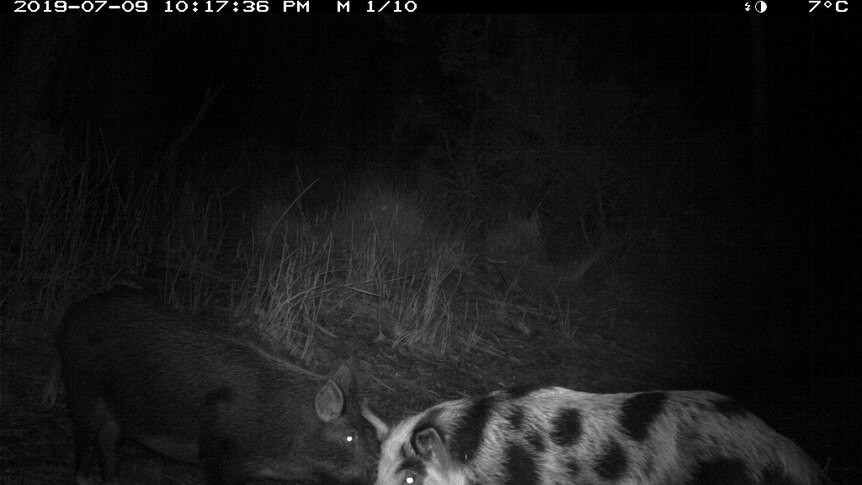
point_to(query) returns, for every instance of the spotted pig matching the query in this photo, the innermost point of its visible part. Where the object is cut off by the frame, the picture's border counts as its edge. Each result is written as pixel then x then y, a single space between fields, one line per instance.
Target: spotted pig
pixel 556 436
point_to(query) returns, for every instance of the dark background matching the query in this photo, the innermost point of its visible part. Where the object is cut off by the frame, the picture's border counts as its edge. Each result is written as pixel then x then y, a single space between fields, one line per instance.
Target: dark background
pixel 743 131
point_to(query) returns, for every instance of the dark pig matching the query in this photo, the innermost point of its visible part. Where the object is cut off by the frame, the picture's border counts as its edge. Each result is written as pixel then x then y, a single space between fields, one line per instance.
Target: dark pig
pixel 140 370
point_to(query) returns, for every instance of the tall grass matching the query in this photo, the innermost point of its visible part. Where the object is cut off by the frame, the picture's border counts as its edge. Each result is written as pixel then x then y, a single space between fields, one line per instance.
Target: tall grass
pixel 286 275
pixel 381 256
pixel 73 226
pixel 77 226
pixel 356 262
pixel 193 262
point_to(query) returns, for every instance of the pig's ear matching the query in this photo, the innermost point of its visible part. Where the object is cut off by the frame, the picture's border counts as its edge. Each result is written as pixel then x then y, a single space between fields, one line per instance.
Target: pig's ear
pixel 428 444
pixel 329 401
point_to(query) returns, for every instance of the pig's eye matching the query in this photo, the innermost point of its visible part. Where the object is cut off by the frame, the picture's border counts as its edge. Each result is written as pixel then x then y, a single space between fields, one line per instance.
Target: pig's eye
pixel 412 478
